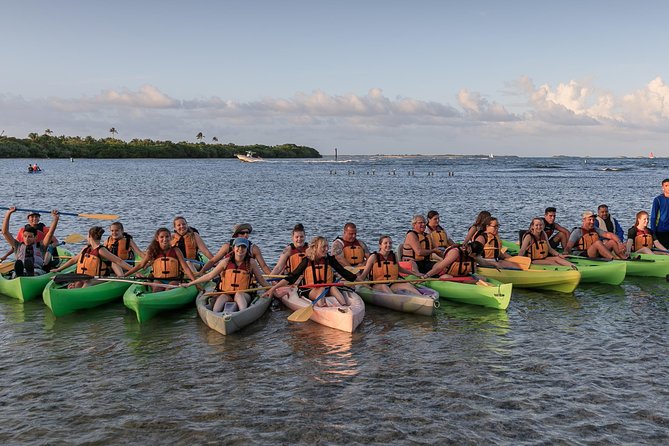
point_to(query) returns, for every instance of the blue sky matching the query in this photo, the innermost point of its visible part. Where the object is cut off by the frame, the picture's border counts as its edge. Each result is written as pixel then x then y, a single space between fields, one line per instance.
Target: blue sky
pixel 522 77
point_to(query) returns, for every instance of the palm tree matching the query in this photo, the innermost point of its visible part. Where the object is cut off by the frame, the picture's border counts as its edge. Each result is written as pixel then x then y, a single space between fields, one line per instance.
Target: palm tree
pixel 214 139
pixel 113 131
pixel 199 136
pixel 33 136
pixel 48 132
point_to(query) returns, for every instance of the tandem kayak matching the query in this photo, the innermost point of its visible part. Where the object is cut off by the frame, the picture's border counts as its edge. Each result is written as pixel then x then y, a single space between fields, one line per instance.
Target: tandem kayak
pixel 489 293
pixel 344 318
pixel 146 303
pixel 27 288
pixel 424 302
pixel 230 322
pixel 562 281
pixel 63 300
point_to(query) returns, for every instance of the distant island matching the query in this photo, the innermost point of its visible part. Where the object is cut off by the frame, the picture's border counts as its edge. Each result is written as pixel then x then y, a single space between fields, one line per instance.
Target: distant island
pixel 47 146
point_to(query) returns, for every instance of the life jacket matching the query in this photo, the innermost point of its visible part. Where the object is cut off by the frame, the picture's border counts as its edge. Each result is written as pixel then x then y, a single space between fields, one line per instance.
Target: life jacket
pixel 33 252
pixel 91 263
pixel 588 238
pixel 549 228
pixel 463 266
pixel 423 242
pixel 296 256
pixel 186 243
pixel 353 252
pixel 119 249
pixel 235 277
pixel 642 239
pixel 42 230
pixel 318 272
pixel 538 249
pixel 438 238
pixel 385 268
pixel 167 266
pixel 491 247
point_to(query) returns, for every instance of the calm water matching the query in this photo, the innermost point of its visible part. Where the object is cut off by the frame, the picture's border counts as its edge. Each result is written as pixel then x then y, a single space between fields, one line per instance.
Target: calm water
pixel 587 368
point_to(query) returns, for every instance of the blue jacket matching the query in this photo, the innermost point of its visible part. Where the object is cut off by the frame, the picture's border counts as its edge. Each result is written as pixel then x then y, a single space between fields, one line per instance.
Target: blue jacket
pixel 617 229
pixel 659 214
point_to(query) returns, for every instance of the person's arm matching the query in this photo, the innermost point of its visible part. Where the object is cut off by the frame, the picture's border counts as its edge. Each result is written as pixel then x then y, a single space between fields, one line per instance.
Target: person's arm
pixel 257 273
pixel 138 252
pixel 145 261
pixel 5 227
pixel 337 251
pixel 607 235
pixel 573 239
pixel 184 266
pixel 210 275
pixel 563 230
pixel 470 233
pixel 525 246
pixel 217 258
pixel 257 254
pixel 281 263
pixel 444 264
pixel 290 278
pixel 652 220
pixel 71 261
pixel 46 241
pixel 341 269
pixel 202 246
pixel 362 275
pixel 412 240
pixel 106 254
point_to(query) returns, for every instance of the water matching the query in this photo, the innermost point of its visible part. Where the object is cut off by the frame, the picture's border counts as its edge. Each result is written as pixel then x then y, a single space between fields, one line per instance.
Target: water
pixel 587 368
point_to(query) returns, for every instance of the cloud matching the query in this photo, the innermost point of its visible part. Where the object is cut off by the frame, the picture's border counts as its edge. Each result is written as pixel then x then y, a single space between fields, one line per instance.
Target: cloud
pixel 479 108
pixel 649 104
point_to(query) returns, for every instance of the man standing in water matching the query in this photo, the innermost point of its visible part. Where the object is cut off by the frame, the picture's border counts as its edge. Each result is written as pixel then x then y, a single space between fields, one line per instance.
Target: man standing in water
pixel 659 214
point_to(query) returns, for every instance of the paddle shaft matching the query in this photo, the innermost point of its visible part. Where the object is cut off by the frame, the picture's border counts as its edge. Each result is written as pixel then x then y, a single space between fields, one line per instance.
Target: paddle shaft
pixel 98 216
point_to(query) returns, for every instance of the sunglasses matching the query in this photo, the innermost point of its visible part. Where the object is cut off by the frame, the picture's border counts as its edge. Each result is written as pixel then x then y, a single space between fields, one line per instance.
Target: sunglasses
pixel 243 232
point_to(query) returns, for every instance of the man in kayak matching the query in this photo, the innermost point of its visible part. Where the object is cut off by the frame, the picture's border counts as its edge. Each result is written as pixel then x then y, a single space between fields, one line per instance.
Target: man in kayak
pixel 588 241
pixel 557 234
pixel 40 230
pixel 31 256
pixel 659 215
pixel 347 249
pixel 608 223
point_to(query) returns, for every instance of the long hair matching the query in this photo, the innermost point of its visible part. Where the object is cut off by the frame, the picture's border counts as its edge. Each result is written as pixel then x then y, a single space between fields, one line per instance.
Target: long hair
pixel 154 249
pixel 638 217
pixel 314 246
pixel 483 215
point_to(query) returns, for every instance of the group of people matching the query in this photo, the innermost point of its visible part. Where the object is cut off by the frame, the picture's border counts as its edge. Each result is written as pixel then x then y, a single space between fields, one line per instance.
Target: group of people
pixel 426 250
pixel 34 168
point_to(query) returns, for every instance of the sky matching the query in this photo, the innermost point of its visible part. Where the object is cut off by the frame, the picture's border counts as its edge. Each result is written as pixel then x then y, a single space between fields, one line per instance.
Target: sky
pixel 526 78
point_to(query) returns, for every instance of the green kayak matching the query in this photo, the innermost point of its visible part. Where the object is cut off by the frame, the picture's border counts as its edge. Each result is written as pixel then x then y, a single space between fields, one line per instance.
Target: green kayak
pixel 563 281
pixel 146 304
pixel 489 293
pixel 27 288
pixel 62 300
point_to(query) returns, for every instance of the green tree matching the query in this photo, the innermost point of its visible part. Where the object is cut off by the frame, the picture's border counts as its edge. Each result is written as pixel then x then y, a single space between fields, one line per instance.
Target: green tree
pixel 113 131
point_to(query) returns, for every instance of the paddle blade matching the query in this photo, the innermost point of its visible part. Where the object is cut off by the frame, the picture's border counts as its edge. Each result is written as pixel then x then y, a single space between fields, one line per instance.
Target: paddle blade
pixel 99 216
pixel 6 267
pixel 71 277
pixel 302 315
pixel 74 238
pixel 522 261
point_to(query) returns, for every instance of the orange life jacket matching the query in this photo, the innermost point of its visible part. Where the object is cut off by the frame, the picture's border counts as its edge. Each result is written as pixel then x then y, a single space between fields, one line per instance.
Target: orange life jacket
pixel 385 268
pixel 438 238
pixel 463 266
pixel 235 277
pixel 318 272
pixel 91 263
pixel 167 266
pixel 296 256
pixel 186 243
pixel 408 253
pixel 588 238
pixel 120 249
pixel 491 247
pixel 42 231
pixel 538 249
pixel 643 239
pixel 353 252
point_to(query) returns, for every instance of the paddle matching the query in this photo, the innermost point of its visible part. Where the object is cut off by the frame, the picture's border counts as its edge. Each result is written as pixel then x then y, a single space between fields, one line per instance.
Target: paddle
pixel 6 267
pixel 83 215
pixel 73 238
pixel 303 314
pixel 522 261
pixel 600 259
pixel 74 277
pixel 248 290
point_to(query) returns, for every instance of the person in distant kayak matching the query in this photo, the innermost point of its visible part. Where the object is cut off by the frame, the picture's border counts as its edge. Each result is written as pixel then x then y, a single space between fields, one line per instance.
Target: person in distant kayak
pixel 459 260
pixel 606 222
pixel 640 239
pixel 492 244
pixel 32 257
pixel 292 254
pixel 95 260
pixel 416 247
pixel 437 234
pixel 318 268
pixel 348 249
pixel 587 241
pixel 536 246
pixel 659 215
pixel 383 265
pixel 557 235
pixel 188 241
pixel 236 272
pixel 477 226
pixel 239 230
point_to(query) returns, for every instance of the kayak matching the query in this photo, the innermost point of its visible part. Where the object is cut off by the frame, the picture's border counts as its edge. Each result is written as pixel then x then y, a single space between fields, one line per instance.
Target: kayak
pixel 562 281
pixel 230 322
pixel 62 300
pixel 424 302
pixel 489 293
pixel 27 288
pixel 146 303
pixel 592 271
pixel 344 318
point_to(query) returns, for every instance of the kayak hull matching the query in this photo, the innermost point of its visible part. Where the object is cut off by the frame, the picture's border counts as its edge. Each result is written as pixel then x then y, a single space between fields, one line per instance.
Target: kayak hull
pixel 28 287
pixel 146 304
pixel 423 303
pixel 497 295
pixel 62 300
pixel 228 323
pixel 348 319
pixel 562 281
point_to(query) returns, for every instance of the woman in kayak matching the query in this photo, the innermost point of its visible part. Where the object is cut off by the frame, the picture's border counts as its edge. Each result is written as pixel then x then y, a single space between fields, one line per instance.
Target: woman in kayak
pixel 292 254
pixel 317 268
pixel 477 226
pixel 122 244
pixel 383 265
pixel 492 244
pixel 189 242
pixel 236 272
pixel 94 260
pixel 437 234
pixel 239 230
pixel 640 239
pixel 536 246
pixel 168 264
pixel 459 261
